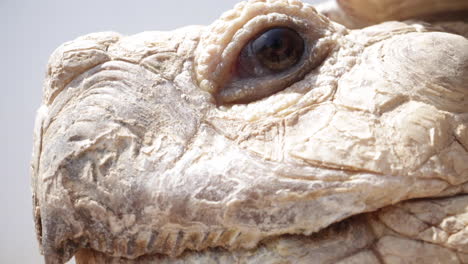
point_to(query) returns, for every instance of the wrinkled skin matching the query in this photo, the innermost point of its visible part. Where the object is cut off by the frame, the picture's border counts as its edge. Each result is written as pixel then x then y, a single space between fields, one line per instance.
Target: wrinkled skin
pixel 149 150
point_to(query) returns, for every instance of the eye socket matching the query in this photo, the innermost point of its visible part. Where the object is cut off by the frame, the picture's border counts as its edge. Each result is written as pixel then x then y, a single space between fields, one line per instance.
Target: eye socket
pixel 234 70
pixel 275 50
pixel 269 62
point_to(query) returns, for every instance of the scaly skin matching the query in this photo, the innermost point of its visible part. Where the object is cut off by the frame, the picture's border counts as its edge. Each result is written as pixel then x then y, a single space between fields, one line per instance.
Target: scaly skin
pixel 361 157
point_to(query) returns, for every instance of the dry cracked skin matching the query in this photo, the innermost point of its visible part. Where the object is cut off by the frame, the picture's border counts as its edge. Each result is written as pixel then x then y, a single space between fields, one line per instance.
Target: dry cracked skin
pixel 278 134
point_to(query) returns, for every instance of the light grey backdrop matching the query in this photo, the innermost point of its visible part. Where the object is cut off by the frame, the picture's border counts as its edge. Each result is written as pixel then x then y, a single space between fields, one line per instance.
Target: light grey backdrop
pixel 29 32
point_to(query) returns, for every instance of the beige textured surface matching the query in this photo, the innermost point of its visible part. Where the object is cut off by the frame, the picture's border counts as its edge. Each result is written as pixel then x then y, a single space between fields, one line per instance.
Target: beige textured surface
pixel 361 160
pixel 361 13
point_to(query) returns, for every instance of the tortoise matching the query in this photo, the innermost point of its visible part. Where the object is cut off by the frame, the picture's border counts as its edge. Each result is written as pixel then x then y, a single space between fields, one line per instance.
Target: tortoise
pixel 281 133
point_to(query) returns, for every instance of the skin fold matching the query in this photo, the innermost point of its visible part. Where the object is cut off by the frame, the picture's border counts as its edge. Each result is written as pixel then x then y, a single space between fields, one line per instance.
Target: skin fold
pixel 153 148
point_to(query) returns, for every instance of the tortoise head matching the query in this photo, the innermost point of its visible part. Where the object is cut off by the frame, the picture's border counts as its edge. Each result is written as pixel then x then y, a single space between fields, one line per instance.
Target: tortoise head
pixel 274 120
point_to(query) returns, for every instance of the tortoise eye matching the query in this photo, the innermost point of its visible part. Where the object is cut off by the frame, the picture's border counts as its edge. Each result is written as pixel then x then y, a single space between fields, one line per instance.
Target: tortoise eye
pixel 266 64
pixel 275 50
pixel 260 63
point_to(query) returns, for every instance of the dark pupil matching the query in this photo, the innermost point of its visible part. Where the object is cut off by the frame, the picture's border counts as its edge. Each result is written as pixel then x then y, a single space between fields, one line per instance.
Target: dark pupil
pixel 278 48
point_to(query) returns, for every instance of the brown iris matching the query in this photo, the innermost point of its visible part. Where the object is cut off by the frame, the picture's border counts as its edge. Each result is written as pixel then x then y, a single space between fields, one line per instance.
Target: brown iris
pixel 273 51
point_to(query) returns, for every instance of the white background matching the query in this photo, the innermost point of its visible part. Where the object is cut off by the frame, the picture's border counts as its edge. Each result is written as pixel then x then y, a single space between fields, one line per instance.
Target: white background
pixel 29 32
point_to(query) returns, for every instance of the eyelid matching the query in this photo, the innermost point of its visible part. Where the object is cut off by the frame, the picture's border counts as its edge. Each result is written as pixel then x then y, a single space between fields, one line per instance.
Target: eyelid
pixel 222 42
